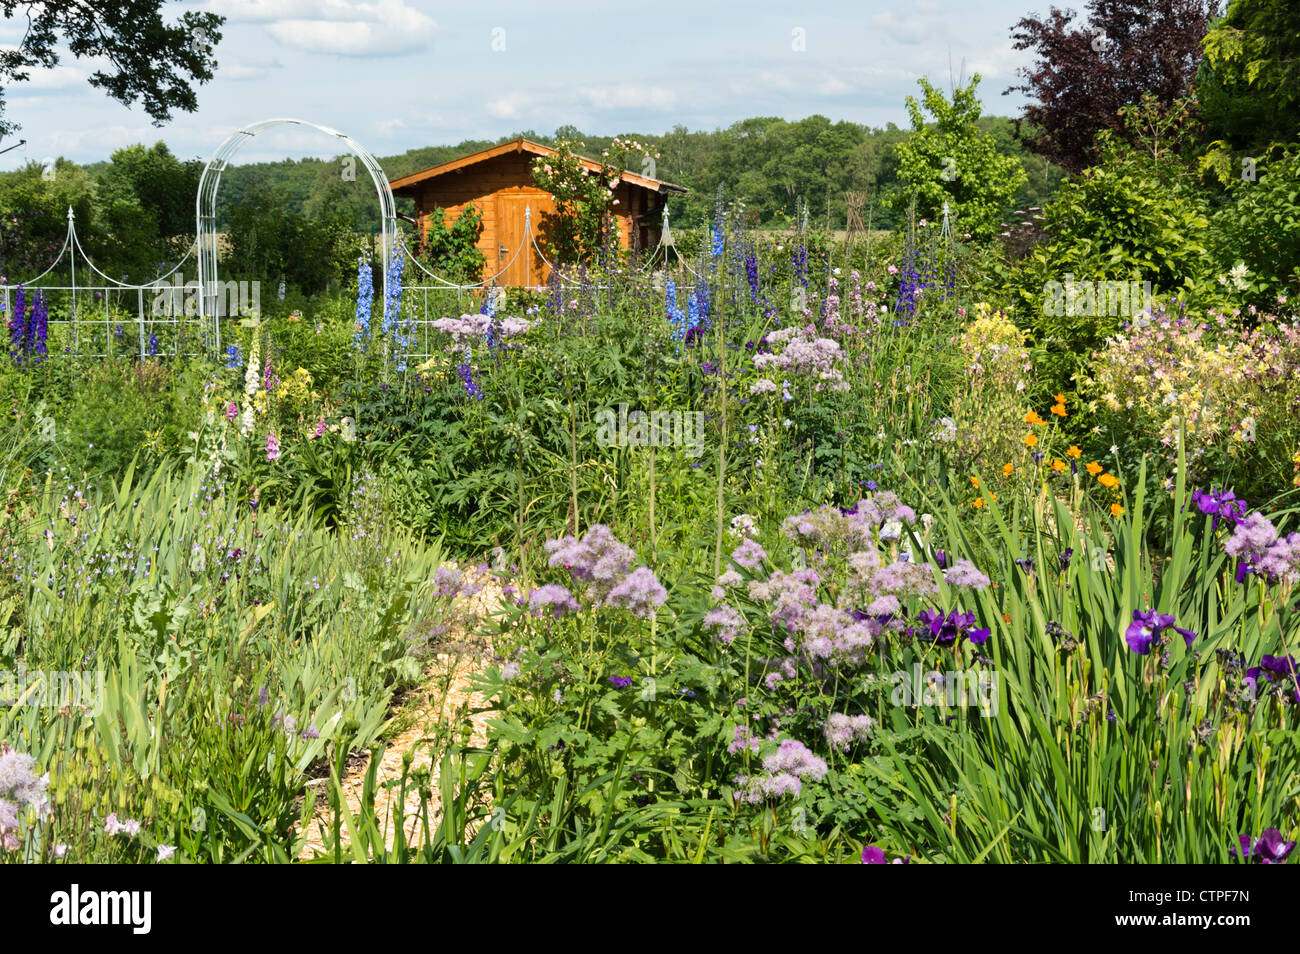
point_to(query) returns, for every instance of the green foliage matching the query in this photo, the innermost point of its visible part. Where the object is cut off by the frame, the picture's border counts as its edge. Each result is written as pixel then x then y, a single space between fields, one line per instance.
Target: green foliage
pixel 1249 85
pixel 582 224
pixel 451 251
pixel 1136 216
pixel 1257 227
pixel 268 244
pixel 228 648
pixel 950 161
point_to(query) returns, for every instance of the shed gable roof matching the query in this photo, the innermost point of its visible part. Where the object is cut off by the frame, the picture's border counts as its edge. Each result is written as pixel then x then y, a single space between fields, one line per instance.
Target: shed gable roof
pixel 523 146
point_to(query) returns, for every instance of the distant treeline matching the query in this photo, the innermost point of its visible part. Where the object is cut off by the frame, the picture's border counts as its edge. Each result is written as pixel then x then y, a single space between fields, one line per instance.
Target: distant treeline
pixel 296 220
pixel 772 166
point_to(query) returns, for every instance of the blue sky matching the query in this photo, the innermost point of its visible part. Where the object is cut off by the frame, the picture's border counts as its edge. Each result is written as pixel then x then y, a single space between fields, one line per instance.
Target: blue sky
pixel 398 74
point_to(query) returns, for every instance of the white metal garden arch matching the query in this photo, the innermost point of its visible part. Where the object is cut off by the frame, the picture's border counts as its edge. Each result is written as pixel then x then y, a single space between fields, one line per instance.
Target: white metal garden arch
pixel 205 209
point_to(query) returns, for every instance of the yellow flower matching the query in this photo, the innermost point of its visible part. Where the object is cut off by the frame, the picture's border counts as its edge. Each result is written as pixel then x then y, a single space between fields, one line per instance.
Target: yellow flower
pixel 1007 470
pixel 1058 465
pixel 1031 440
pixel 1109 481
pixel 1116 509
pixel 1094 468
pixel 1073 452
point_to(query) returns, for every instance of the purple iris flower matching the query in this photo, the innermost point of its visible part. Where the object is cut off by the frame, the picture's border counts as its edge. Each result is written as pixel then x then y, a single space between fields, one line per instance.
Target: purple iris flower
pixel 1065 557
pixel 1267 849
pixel 946 630
pixel 1146 628
pixel 621 682
pixel 1273 668
pixel 873 855
pixel 941 559
pixel 1220 504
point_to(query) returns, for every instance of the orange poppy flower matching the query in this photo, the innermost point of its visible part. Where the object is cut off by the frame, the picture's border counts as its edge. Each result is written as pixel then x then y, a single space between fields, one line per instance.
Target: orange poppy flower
pixel 1007 470
pixel 975 482
pixel 1094 468
pixel 1033 418
pixel 1058 410
pixel 1116 509
pixel 977 502
pixel 1058 465
pixel 1073 452
pixel 1109 481
pixel 1031 441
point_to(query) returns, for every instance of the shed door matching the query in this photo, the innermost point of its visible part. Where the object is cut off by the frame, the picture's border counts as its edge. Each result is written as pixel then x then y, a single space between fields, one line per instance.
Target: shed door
pixel 513 245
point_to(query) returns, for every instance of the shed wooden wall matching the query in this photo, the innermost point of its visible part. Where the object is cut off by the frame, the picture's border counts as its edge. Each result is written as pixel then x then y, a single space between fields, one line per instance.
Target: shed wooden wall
pixel 510 175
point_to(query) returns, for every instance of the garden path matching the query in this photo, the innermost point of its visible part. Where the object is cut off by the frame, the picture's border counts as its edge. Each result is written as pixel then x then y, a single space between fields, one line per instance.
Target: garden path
pixel 440 709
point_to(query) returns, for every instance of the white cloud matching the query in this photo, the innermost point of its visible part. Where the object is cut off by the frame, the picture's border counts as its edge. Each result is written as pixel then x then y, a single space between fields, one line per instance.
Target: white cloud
pixel 628 96
pixel 69 73
pixel 999 63
pixel 908 29
pixel 511 105
pixel 247 71
pixel 71 141
pixel 343 27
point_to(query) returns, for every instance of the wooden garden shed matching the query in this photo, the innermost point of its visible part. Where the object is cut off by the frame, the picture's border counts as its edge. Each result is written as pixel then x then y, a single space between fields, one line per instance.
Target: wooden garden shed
pixel 499 183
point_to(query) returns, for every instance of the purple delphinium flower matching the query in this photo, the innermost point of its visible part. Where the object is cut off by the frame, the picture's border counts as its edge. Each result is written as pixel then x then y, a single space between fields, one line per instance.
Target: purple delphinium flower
pixel 38 328
pixel 18 324
pixel 1267 849
pixel 365 299
pixel 467 378
pixel 1146 628
pixel 949 629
